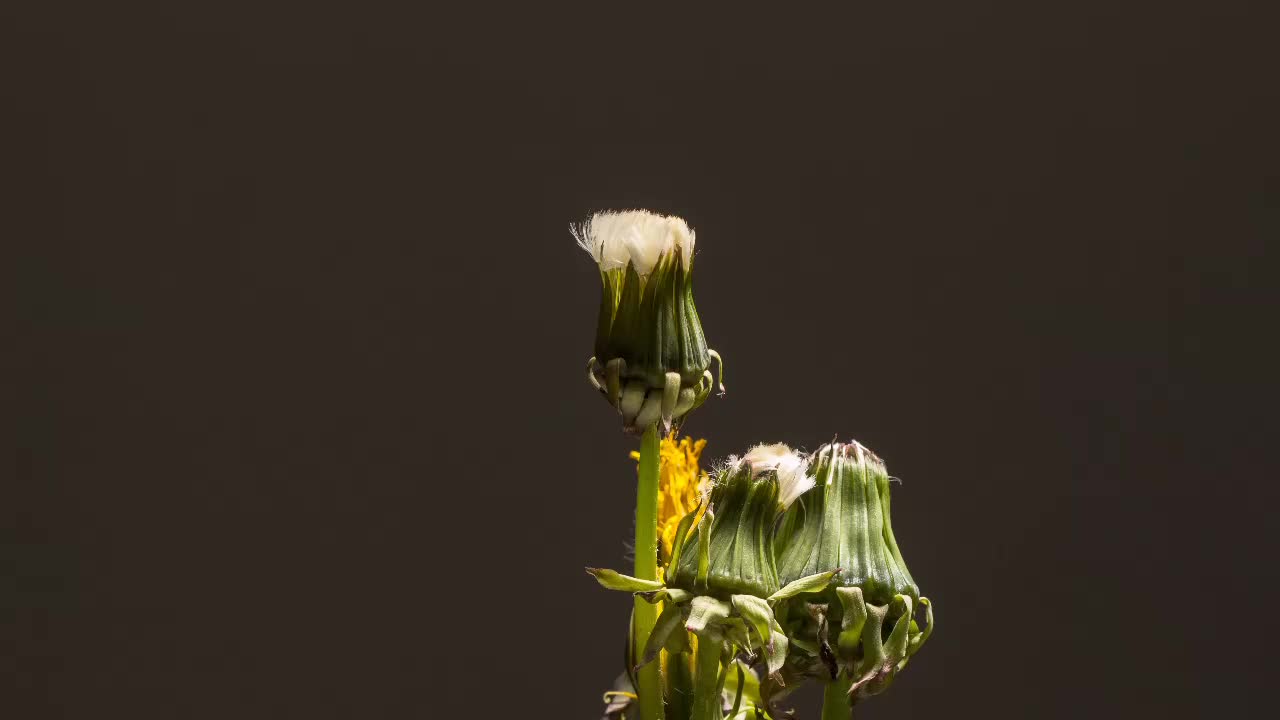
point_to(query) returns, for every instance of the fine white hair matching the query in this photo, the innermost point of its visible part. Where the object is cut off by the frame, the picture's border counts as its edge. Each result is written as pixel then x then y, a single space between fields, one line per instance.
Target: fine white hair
pixel 791 467
pixel 614 238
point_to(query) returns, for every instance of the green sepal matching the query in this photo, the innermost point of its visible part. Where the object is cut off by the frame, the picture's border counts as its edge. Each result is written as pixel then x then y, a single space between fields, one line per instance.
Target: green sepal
pixel 613 580
pixel 776 652
pixel 895 648
pixel 808 584
pixel 872 645
pixel 675 595
pixel 682 532
pixel 854 616
pixel 919 640
pixel 704 549
pixel 758 615
pixel 736 631
pixel 706 610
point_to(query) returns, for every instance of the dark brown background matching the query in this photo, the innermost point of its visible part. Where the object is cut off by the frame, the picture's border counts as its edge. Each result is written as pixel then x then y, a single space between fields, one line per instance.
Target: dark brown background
pixel 302 429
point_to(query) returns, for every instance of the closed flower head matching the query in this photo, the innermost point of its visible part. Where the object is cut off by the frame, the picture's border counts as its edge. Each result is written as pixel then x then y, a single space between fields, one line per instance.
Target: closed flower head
pixel 651 360
pixel 864 625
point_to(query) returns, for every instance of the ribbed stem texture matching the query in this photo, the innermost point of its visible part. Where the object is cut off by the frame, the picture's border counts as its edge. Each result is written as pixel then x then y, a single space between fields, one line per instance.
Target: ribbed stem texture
pixel 649 685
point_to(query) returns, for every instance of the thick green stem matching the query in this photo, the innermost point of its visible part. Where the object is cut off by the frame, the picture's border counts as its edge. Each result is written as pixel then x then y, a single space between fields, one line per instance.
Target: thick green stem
pixel 707 704
pixel 650 680
pixel 835 699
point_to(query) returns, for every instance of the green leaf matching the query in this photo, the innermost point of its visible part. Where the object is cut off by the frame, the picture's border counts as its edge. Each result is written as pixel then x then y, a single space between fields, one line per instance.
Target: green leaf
pixel 806 584
pixel 613 580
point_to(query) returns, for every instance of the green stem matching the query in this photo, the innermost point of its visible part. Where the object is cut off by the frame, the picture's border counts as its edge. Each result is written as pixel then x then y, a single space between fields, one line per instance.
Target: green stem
pixel 649 687
pixel 707 704
pixel 835 699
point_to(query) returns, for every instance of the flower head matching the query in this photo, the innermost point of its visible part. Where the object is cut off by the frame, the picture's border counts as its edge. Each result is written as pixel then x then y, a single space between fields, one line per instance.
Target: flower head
pixel 651 360
pixel 864 624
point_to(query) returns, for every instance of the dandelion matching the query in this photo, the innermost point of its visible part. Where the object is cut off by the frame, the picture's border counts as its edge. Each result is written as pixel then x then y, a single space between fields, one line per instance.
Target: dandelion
pixel 844 524
pixel 773 556
pixel 723 582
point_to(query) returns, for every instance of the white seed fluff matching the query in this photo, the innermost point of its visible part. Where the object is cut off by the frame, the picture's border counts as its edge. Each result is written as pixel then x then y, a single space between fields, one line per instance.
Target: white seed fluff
pixel 614 238
pixel 792 469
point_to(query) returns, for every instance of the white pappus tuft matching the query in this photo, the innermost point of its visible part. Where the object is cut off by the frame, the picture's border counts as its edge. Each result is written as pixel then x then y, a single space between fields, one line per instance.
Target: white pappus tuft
pixel 614 238
pixel 792 469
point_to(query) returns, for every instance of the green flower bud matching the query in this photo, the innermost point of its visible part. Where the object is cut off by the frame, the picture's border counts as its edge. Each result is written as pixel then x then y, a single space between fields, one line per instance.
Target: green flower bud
pixel 863 626
pixel 723 584
pixel 737 532
pixel 844 523
pixel 651 360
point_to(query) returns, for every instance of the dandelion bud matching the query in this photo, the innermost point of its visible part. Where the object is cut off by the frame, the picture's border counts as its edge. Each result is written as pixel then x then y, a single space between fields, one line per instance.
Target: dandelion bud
pixel 745 501
pixel 864 624
pixel 722 583
pixel 651 361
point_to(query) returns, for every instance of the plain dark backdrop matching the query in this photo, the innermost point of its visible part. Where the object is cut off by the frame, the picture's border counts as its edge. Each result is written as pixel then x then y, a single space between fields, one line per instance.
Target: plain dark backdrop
pixel 302 428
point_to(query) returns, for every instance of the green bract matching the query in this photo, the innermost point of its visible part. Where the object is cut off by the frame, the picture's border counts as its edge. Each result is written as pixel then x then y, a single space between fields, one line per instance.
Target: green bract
pixel 863 626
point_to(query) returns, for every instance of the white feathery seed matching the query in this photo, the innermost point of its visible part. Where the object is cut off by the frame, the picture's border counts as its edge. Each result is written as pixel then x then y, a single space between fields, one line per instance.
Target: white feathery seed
pixel 792 469
pixel 614 238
